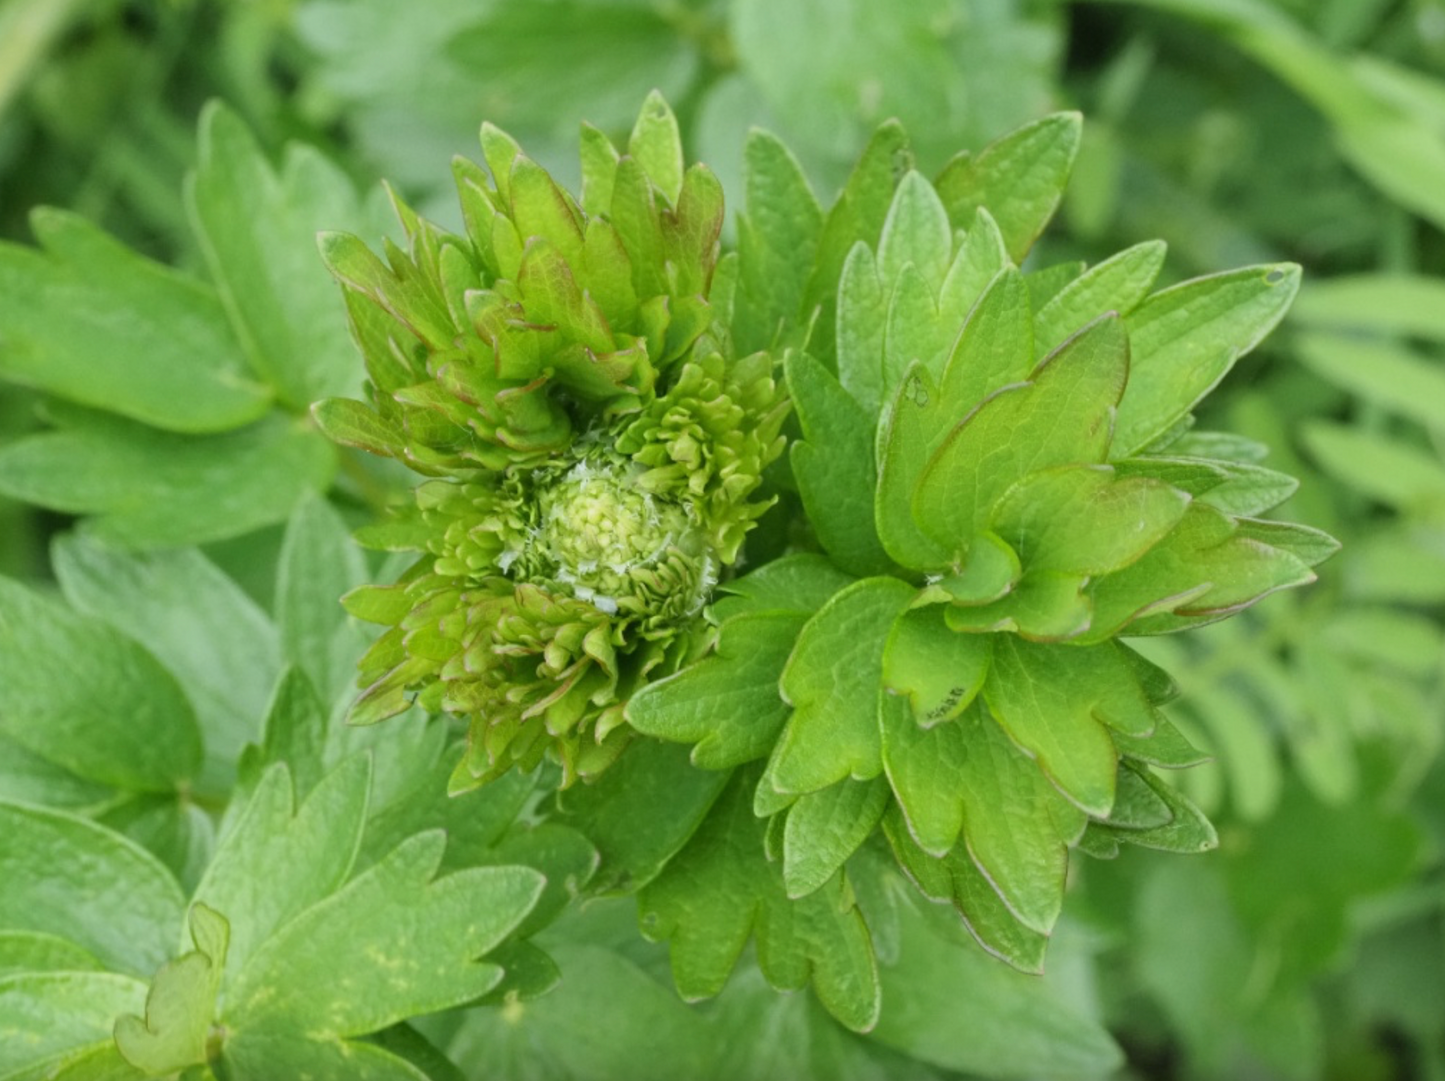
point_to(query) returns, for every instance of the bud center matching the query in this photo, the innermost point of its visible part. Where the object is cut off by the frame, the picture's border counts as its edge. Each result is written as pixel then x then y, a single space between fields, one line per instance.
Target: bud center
pixel 617 546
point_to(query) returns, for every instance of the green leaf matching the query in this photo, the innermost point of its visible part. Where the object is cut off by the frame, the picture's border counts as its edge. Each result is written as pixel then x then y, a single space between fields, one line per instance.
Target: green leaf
pixel 649 1034
pixel 1085 519
pixel 721 890
pixel 798 584
pixel 420 935
pixel 26 777
pixel 355 425
pixel 1389 470
pixel 862 320
pixel 961 1010
pixel 657 144
pixel 855 221
pixel 213 638
pixel 938 672
pixel 1061 417
pixel 78 693
pixel 916 232
pixel 915 330
pixel 777 240
pixel 37 951
pixel 475 821
pixel 179 1007
pixel 157 489
pixel 1185 338
pixel 318 564
pixel 66 876
pixel 910 434
pixel 1187 830
pixel 965 777
pixel 618 812
pixel 1050 699
pixel 955 880
pixel 563 856
pixel 599 170
pixel 1206 569
pixel 728 703
pixel 257 227
pixel 1117 284
pixel 1020 179
pixel 1383 302
pixel 989 573
pixel 1387 375
pixel 995 347
pixel 288 1053
pixel 825 828
pixel 803 1043
pixel 980 258
pixel 611 55
pixel 1166 746
pixel 171 827
pixel 52 1020
pixel 294 732
pixel 277 859
pixel 833 465
pixel 831 681
pixel 1236 488
pixel 93 322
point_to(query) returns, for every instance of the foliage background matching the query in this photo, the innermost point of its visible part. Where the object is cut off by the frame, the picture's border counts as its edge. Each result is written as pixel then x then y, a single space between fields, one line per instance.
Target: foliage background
pixel 1312 944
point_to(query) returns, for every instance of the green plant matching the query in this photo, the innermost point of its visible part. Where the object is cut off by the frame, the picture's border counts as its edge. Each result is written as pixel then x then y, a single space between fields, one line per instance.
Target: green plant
pixel 915 693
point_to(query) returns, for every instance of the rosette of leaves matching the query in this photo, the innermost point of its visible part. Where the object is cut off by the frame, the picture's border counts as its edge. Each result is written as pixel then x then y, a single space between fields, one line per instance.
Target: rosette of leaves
pixel 999 470
pixel 594 446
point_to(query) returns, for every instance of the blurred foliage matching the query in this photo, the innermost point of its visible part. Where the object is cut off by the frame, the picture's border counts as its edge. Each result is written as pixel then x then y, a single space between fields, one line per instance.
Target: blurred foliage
pixel 1313 943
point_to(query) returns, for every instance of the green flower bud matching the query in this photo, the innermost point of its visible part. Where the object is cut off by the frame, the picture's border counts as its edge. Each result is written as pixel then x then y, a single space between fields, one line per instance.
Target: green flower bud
pixel 596 456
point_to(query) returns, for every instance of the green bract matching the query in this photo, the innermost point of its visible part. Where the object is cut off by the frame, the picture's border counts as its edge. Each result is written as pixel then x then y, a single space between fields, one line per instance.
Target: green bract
pixel 560 370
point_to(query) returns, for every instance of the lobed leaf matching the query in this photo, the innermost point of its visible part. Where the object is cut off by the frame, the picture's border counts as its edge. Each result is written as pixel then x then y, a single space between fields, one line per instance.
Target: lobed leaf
pixel 117 717
pixel 421 935
pixel 217 643
pixel 1061 417
pixel 834 467
pixel 965 780
pixel 1020 179
pixel 279 859
pixel 176 1027
pixel 831 682
pixel 52 1022
pixel 68 877
pixel 1185 338
pixel 256 227
pixel 93 322
pixel 618 812
pixel 1033 692
pixel 959 1009
pixel 721 890
pixel 727 704
pixel 824 828
pixel 154 489
pixel 777 241
pixel 956 880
